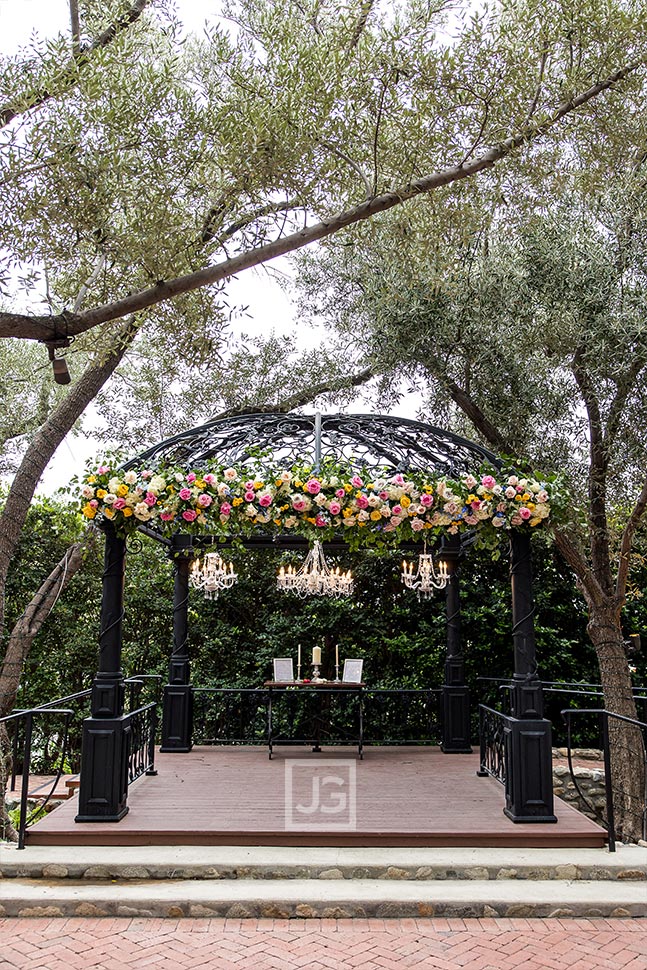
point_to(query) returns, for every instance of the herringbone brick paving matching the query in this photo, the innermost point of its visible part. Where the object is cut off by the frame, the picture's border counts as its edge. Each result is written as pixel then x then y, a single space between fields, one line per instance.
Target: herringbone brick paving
pixel 323 944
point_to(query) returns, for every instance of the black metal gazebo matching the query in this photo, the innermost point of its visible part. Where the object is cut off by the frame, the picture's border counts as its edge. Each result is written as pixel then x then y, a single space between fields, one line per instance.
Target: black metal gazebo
pixel 366 441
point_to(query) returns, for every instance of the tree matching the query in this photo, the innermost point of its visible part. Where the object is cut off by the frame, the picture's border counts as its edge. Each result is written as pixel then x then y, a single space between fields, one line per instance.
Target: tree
pixel 537 343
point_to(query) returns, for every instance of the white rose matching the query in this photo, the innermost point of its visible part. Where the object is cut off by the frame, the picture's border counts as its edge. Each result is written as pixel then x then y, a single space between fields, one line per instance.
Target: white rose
pixel 230 474
pixel 130 478
pixel 113 484
pixel 87 491
pixel 320 499
pixel 110 498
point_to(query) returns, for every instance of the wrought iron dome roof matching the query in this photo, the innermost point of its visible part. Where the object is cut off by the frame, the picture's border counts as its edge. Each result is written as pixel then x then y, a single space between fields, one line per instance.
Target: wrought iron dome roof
pixel 362 440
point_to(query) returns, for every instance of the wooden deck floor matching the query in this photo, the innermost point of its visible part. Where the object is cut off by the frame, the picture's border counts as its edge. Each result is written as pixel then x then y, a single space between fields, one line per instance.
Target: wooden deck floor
pixel 236 796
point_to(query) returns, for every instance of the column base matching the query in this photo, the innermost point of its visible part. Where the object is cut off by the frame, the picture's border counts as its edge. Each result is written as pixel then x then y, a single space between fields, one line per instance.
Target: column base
pixel 103 792
pixel 456 727
pixel 529 771
pixel 177 719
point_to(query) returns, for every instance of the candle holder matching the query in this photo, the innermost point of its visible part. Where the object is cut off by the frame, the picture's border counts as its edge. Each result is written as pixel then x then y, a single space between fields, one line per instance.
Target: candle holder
pixel 298 680
pixel 315 673
pixel 337 680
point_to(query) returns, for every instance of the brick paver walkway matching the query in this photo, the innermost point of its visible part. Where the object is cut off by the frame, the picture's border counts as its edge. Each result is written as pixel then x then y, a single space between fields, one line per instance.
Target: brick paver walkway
pixel 372 944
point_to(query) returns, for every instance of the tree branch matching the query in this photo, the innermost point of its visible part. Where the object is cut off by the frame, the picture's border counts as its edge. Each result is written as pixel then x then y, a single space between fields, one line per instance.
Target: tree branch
pixel 271 208
pixel 80 57
pixel 42 327
pixel 627 538
pixel 360 24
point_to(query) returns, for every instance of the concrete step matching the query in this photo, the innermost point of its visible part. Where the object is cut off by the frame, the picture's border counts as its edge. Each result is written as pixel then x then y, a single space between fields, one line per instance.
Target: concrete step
pixel 335 898
pixel 227 863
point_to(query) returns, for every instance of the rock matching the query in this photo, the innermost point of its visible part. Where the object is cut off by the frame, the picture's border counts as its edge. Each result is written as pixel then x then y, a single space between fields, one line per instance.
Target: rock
pixel 632 874
pixel 54 871
pixel 134 872
pixel 478 872
pixel 566 872
pixel 393 872
pixel 41 911
pixel 424 872
pixel 175 912
pixel 426 909
pixel 274 911
pixel 238 911
pixel 132 911
pixel 620 911
pixel 560 771
pixel 336 912
pixel 304 911
pixel 518 909
pixel 507 874
pixel 97 872
pixel 89 909
pixel 198 910
pixel 561 911
pixel 331 874
pixel 489 911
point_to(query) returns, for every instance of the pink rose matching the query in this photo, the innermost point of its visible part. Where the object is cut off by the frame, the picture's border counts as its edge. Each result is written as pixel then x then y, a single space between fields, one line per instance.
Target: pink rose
pixel 340 493
pixel 320 521
pixel 335 508
pixel 417 525
pixel 185 494
pixel 476 505
pixel 189 515
pixel 191 477
pixel 204 501
pixel 396 520
pixel 488 481
pixel 498 521
pixel 166 516
pixel 383 495
pixel 362 502
pixel 426 500
pixel 150 499
pixel 516 519
pixel 525 513
pixel 210 479
pixel 94 503
pixel 471 519
pixel 470 481
pixel 513 480
pixel 119 503
pixel 265 501
pixel 249 485
pixel 356 481
pixel 398 479
pixel 225 508
pixel 147 474
pixel 501 507
pixel 249 495
pixel 510 492
pixel 103 469
pixel 299 504
pixel 397 510
pixel 313 486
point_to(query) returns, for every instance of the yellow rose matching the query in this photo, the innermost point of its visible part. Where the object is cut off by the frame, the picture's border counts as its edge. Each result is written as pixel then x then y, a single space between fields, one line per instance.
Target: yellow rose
pixel 92 479
pixel 348 488
pixel 376 516
pixel 237 501
pixel 258 485
pixel 298 483
pixel 277 521
pixel 360 524
pixel 405 501
pixel 109 513
pixel 101 493
pixel 526 496
pixel 89 511
pixel 535 521
pixel 518 498
pixel 127 511
pixel 278 482
pixel 122 490
pixel 471 498
pixel 529 505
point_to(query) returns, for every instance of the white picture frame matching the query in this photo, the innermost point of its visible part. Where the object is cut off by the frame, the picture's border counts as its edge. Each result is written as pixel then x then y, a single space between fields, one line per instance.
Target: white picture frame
pixel 352 672
pixel 283 670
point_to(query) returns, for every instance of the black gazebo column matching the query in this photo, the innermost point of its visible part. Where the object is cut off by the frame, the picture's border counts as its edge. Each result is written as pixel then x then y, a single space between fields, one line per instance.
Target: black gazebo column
pixel 528 740
pixel 177 712
pixel 456 730
pixel 103 788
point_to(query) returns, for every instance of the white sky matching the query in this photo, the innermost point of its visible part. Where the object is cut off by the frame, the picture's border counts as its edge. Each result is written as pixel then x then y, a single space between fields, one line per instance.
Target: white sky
pixel 269 306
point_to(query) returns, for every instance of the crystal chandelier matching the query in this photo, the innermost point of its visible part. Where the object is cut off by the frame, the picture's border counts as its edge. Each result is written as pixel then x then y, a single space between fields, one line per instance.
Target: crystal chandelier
pixel 212 575
pixel 427 577
pixel 315 578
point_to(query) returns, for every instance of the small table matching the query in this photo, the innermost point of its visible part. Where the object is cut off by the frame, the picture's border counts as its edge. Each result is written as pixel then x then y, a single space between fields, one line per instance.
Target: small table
pixel 320 687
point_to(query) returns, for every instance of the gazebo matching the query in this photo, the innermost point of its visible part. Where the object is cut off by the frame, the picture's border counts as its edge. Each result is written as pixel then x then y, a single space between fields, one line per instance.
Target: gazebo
pixel 378 443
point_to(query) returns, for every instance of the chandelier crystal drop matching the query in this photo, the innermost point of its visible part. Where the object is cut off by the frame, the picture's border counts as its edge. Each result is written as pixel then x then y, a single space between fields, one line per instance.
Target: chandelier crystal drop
pixel 427 578
pixel 212 574
pixel 315 578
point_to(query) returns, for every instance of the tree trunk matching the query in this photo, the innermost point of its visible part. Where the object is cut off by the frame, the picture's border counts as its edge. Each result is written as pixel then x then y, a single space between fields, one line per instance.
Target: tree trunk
pixel 626 741
pixel 7 830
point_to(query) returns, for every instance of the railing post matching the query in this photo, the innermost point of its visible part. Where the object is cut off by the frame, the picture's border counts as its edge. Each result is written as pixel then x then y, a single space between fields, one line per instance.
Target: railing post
pixel 177 711
pixel 24 789
pixel 608 781
pixel 528 736
pixel 103 790
pixel 456 728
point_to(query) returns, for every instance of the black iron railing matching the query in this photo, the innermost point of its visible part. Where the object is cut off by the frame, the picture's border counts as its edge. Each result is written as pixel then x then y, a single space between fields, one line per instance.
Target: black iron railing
pixel 46 740
pixel 143 731
pixel 622 740
pixel 493 760
pixel 239 716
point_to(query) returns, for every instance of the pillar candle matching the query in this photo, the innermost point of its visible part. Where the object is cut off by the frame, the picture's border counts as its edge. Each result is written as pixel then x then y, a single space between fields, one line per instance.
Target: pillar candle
pixel 316 655
pixel 299 655
pixel 337 654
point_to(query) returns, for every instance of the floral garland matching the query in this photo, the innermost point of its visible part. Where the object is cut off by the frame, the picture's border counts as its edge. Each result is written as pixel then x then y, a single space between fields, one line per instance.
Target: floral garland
pixel 369 507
